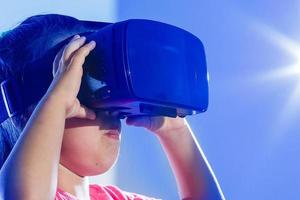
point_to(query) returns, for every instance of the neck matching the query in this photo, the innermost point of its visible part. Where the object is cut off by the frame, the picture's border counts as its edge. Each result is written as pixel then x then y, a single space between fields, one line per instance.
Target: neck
pixel 72 183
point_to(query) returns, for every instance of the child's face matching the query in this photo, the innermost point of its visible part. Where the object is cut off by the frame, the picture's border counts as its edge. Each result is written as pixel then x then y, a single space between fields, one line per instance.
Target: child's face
pixel 86 148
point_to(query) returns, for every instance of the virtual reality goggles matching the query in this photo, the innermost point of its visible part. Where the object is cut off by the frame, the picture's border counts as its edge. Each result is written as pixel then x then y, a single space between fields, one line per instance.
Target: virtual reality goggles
pixel 139 67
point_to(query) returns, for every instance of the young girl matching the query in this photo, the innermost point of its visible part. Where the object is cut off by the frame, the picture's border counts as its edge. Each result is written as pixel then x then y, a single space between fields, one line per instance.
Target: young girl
pixel 49 150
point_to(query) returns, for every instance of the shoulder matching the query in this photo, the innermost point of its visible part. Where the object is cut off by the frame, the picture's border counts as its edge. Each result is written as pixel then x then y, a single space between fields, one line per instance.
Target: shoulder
pixel 117 193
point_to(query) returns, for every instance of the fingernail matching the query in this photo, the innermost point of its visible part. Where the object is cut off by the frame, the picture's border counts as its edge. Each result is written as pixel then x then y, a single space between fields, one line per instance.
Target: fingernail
pixel 92 43
pixel 75 37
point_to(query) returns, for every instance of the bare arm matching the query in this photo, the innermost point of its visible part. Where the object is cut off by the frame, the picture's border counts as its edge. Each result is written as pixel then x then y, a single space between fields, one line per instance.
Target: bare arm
pixel 30 172
pixel 194 176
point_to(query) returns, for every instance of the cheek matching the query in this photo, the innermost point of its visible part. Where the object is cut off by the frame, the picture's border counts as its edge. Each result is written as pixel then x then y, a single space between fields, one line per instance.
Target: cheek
pixel 88 153
pixel 106 155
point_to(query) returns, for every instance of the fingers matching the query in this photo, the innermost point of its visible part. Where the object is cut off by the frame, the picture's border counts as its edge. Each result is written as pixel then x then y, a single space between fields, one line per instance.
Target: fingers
pixel 151 123
pixel 139 121
pixel 79 56
pixel 75 43
pixel 56 62
pixel 64 53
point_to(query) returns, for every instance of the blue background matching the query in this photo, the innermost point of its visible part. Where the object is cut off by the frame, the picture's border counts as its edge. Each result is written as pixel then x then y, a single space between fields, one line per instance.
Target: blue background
pixel 250 133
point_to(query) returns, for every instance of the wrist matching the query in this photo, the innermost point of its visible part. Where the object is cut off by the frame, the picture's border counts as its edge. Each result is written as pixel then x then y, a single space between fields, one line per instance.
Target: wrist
pixel 175 137
pixel 56 102
pixel 173 129
pixel 58 96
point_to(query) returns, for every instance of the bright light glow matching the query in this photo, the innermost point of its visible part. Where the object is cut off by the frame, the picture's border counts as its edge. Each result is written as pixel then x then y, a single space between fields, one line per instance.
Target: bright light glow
pixel 287 45
pixel 284 72
pixel 289 72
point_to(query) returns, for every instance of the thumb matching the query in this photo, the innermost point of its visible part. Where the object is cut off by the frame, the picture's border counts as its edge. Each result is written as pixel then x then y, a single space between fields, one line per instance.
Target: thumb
pixel 85 113
pixel 139 121
pixel 151 123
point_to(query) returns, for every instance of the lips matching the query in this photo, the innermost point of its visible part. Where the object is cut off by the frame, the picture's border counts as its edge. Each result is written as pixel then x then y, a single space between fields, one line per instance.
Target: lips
pixel 114 134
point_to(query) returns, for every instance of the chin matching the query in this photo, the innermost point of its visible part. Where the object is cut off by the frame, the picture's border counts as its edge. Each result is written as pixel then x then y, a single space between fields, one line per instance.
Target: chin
pixel 98 168
pixel 92 169
pixel 98 172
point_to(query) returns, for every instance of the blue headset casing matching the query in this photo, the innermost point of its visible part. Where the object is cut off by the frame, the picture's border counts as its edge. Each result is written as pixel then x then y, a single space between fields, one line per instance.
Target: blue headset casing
pixel 139 67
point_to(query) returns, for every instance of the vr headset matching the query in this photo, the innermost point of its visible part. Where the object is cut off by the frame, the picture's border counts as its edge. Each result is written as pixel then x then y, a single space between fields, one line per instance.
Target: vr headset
pixel 139 67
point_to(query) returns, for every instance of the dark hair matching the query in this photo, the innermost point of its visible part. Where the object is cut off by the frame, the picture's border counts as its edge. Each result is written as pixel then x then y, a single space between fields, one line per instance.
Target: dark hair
pixel 23 44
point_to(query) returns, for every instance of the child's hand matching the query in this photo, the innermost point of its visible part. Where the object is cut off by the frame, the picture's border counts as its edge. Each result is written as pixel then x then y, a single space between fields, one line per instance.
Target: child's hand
pixel 159 125
pixel 67 72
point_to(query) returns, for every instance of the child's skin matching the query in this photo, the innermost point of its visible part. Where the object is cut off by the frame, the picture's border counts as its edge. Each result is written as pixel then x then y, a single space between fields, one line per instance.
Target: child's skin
pixel 64 141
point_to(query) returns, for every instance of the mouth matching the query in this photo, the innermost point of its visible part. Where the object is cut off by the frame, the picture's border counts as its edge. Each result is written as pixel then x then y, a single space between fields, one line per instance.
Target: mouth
pixel 113 134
